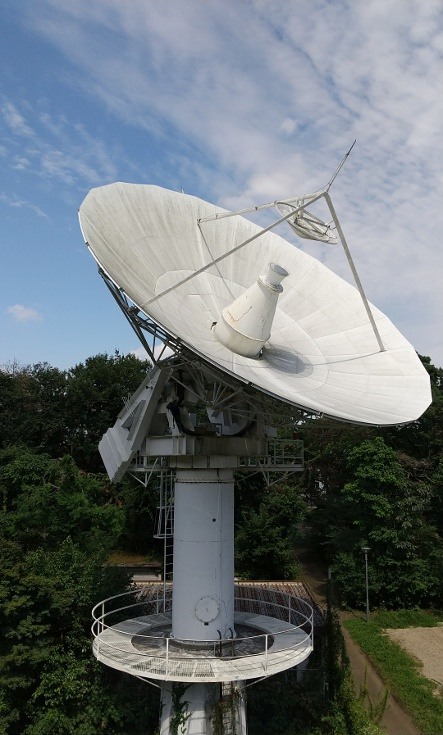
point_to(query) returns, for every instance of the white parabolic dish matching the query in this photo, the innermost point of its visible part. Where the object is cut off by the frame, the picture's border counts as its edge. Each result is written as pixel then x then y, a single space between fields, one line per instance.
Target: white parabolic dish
pixel 322 354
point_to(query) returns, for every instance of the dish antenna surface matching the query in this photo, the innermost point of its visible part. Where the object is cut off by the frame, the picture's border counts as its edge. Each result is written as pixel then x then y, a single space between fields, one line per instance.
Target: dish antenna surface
pixel 259 332
pixel 194 273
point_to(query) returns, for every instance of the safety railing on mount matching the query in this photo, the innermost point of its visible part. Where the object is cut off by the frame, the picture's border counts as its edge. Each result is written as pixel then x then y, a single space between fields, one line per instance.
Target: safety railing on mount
pixel 128 632
pixel 281 455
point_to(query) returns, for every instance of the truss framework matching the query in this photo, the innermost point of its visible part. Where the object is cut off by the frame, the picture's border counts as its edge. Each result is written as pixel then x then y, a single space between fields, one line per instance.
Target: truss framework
pixel 213 386
pixel 142 324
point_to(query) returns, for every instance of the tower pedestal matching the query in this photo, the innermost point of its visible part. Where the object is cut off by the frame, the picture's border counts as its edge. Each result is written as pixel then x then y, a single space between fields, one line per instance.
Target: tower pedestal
pixel 197 637
pixel 203 593
pixel 203 596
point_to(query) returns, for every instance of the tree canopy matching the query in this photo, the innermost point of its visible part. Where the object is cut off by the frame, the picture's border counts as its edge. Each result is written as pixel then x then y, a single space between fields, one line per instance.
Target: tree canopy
pixel 56 530
pixel 60 518
pixel 67 411
pixel 381 488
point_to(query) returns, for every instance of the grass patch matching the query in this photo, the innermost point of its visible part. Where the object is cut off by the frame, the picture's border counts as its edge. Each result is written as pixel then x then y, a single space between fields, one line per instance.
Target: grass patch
pixel 406 619
pixel 399 671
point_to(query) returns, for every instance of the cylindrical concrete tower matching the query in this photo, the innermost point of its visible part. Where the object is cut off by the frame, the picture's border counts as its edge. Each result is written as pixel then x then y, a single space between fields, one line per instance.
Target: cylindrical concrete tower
pixel 203 593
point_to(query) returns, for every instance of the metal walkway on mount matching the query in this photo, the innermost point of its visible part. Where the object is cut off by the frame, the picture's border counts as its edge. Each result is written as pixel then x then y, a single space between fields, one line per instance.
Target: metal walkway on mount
pixel 285 646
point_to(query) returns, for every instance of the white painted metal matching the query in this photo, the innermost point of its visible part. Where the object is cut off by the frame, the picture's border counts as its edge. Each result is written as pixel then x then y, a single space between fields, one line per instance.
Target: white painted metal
pixel 305 224
pixel 354 272
pixel 197 710
pixel 322 353
pixel 203 592
pixel 194 710
pixel 245 325
pixel 120 443
pixel 285 631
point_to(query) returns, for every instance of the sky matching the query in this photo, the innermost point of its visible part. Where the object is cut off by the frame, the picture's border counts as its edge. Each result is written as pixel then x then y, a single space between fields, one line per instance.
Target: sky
pixel 239 102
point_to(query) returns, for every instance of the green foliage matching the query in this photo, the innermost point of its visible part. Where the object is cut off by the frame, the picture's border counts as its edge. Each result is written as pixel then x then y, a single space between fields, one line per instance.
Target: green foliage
pixel 265 537
pixel 288 706
pixel 140 508
pixel 226 708
pixel 375 709
pixel 406 618
pixel 32 403
pixel 381 488
pixel 423 438
pixel 70 703
pixel 180 714
pixel 94 397
pixel 285 706
pixel 437 499
pixel 56 530
pixel 399 671
pixel 324 702
pixel 377 487
pixel 61 412
pixel 348 713
pixel 382 508
pixel 44 501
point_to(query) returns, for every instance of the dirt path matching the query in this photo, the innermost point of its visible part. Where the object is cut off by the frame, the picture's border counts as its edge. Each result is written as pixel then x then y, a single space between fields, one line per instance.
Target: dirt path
pixel 395 720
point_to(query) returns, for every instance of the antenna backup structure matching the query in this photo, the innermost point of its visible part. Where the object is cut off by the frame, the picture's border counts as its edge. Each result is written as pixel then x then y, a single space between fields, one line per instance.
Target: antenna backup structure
pixel 246 333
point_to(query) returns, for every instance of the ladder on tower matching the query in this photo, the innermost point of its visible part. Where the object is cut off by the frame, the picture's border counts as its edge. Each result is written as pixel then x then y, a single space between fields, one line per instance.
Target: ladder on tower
pixel 165 526
pixel 229 708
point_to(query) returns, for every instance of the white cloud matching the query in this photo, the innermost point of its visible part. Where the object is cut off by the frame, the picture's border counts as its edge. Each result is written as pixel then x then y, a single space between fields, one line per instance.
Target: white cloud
pixel 15 121
pixel 140 353
pixel 20 163
pixel 264 98
pixel 159 352
pixel 23 313
pixel 14 201
pixel 288 126
pixel 55 148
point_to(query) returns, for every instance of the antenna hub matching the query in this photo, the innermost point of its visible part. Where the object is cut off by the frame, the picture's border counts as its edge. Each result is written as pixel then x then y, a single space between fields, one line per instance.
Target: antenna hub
pixel 245 325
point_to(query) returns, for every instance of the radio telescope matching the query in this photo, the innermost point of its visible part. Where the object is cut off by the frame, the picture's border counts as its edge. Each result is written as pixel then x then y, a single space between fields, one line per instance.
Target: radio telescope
pixel 258 334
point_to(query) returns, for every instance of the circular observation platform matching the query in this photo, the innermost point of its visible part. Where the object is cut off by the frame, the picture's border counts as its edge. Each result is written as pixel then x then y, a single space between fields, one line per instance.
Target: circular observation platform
pixel 132 634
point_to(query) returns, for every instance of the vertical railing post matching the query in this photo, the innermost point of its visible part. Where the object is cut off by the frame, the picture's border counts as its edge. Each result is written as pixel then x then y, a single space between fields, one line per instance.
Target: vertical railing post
pixel 289 610
pixel 167 658
pixel 266 653
pixel 102 624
